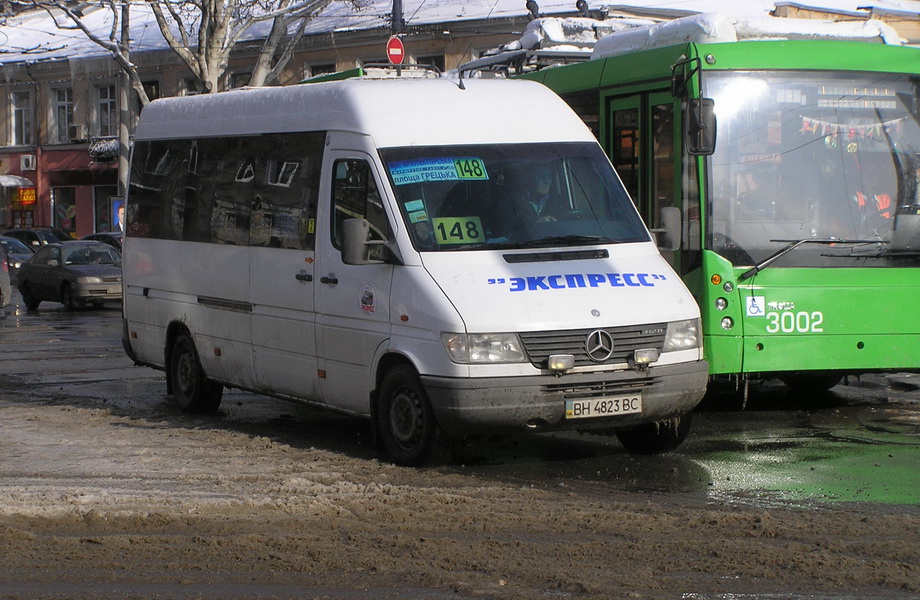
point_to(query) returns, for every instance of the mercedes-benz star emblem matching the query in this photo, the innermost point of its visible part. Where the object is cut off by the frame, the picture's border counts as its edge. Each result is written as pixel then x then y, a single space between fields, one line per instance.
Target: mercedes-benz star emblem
pixel 599 345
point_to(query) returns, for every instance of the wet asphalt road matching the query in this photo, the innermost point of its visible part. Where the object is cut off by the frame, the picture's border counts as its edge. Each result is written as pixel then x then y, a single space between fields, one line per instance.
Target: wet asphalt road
pixel 858 443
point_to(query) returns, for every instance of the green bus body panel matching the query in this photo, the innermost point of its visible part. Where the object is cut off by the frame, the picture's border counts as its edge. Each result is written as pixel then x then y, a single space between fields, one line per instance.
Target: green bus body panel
pixel 813 54
pixel 845 319
pixel 649 66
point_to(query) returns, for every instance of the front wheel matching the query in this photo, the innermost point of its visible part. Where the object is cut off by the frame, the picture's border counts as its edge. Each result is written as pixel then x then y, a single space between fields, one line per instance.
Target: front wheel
pixel 68 300
pixel 407 431
pixel 193 391
pixel 657 437
pixel 28 298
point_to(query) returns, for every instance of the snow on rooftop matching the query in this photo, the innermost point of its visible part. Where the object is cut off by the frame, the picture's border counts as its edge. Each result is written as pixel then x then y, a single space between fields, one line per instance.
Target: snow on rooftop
pixel 719 27
pixel 33 36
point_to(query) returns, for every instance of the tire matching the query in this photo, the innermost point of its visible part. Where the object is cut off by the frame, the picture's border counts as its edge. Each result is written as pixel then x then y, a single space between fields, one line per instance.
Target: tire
pixel 811 384
pixel 192 390
pixel 656 438
pixel 67 298
pixel 407 431
pixel 27 298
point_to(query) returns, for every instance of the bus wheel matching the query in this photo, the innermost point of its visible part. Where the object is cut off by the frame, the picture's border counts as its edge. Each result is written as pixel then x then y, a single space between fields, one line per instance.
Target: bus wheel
pixel 811 384
pixel 406 427
pixel 657 437
pixel 192 390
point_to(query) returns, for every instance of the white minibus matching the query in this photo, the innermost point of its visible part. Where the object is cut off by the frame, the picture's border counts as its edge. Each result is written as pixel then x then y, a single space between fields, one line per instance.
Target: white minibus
pixel 448 259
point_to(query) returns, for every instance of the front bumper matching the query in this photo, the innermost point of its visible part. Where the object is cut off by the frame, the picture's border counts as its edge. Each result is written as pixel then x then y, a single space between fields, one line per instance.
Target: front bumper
pixel 97 292
pixel 507 404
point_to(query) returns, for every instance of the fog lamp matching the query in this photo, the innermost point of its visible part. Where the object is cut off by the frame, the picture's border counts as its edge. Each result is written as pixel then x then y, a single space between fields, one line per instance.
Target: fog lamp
pixel 727 323
pixel 721 303
pixel 561 362
pixel 644 356
pixel 728 287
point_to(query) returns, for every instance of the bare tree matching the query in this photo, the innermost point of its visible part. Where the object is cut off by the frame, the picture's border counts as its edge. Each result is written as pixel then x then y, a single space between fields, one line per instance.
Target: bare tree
pixel 202 33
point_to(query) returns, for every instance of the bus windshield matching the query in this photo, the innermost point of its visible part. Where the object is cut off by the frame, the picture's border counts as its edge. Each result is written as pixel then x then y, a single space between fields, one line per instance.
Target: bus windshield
pixel 826 158
pixel 482 197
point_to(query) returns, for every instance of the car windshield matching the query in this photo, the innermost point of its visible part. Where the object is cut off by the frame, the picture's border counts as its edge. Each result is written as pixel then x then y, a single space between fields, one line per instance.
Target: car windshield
pixel 829 160
pixel 14 246
pixel 96 254
pixel 511 196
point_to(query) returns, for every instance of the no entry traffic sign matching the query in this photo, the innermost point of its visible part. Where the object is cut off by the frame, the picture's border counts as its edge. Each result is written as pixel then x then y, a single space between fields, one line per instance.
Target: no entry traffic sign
pixel 395 50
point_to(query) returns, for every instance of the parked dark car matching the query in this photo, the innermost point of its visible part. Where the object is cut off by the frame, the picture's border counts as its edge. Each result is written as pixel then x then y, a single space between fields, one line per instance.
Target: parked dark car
pixel 72 273
pixel 37 236
pixel 16 253
pixel 112 238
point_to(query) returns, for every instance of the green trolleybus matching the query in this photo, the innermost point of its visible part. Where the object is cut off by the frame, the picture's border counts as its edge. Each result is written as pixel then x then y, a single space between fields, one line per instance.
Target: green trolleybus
pixel 783 177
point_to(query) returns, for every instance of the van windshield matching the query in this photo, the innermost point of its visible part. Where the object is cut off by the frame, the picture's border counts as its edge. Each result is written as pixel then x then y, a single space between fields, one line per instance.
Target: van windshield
pixel 511 196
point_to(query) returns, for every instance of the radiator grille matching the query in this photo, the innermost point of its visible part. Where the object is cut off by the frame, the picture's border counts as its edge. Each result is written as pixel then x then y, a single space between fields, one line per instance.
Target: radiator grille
pixel 539 345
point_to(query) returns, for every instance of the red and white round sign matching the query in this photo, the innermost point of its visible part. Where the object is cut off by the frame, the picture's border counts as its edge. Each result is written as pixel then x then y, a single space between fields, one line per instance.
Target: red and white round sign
pixel 395 50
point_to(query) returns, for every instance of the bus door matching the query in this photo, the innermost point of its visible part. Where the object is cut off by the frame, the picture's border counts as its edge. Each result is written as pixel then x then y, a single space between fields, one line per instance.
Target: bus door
pixel 642 139
pixel 353 301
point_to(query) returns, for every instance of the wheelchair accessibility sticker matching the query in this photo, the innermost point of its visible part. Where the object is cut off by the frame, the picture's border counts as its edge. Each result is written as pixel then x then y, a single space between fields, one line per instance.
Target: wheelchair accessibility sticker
pixel 756 306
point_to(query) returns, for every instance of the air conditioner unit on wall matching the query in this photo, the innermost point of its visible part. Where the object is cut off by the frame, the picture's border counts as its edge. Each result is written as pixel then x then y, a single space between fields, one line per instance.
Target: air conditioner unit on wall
pixel 27 162
pixel 78 133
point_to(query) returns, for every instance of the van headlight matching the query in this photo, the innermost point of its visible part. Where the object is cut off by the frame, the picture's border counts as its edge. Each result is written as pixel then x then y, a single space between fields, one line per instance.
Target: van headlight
pixel 682 335
pixel 484 348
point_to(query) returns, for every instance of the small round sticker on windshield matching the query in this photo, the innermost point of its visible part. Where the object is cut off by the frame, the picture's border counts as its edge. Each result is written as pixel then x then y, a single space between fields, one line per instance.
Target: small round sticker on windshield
pixel 367 300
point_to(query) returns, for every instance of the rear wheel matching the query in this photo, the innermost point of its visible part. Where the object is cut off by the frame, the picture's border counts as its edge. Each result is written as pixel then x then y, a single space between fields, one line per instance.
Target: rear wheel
pixel 657 437
pixel 192 390
pixel 407 430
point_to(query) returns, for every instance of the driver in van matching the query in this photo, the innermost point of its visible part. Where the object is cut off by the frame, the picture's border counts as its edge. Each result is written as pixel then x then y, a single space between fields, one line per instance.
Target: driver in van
pixel 538 201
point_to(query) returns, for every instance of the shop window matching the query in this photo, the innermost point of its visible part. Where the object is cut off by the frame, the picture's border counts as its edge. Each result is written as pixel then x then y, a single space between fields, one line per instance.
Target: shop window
pixel 106 216
pixel 64 205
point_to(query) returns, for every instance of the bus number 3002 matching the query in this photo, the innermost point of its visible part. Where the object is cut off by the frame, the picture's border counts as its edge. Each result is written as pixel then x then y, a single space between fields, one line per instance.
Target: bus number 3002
pixel 795 322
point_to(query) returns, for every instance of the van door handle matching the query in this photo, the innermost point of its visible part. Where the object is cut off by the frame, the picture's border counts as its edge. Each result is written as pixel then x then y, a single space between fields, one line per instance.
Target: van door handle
pixel 303 277
pixel 332 279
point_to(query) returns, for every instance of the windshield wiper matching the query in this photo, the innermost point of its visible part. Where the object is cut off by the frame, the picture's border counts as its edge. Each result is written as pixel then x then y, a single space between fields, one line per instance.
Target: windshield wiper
pixel 567 240
pixel 792 245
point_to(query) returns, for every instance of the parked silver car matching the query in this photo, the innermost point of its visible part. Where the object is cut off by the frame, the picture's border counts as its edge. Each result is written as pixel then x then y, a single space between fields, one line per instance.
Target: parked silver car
pixel 73 273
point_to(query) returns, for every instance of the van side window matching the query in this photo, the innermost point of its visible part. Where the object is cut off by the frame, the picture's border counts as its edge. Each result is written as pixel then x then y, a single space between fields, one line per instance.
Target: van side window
pixel 246 190
pixel 356 195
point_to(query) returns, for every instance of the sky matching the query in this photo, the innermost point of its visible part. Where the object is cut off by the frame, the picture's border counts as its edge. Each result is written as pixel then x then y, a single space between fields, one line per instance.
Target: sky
pixel 34 37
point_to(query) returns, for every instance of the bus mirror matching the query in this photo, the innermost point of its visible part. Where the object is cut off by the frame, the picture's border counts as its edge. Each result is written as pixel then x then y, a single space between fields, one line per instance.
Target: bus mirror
pixel 667 237
pixel 700 118
pixel 356 242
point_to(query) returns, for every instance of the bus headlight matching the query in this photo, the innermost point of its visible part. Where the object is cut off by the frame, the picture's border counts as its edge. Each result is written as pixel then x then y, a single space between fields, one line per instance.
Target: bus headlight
pixel 682 335
pixel 483 348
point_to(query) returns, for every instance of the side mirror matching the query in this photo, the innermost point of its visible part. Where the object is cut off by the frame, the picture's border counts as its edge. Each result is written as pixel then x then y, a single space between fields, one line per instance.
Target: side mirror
pixel 667 237
pixel 700 120
pixel 356 242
